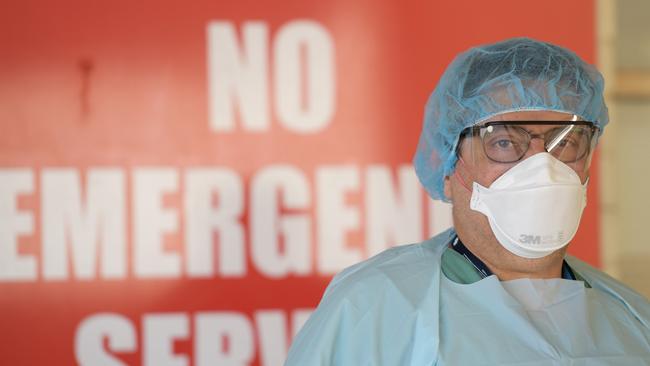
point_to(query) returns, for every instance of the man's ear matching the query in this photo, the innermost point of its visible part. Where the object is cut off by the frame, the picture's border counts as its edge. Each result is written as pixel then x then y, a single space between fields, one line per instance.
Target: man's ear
pixel 447 188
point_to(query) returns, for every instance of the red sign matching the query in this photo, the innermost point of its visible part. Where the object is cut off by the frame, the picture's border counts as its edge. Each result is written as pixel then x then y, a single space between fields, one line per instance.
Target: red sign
pixel 179 181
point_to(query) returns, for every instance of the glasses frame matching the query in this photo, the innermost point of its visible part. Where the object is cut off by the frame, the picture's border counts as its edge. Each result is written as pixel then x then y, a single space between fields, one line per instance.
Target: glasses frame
pixel 476 132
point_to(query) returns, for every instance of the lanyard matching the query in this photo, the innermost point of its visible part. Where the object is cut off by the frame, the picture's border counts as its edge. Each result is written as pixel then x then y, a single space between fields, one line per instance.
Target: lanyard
pixel 484 271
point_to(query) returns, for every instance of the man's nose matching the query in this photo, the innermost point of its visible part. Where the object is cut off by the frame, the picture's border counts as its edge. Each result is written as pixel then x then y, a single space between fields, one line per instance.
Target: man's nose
pixel 535 146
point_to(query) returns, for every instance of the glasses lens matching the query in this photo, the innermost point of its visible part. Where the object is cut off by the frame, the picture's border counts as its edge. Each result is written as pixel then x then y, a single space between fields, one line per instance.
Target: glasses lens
pixel 505 143
pixel 569 143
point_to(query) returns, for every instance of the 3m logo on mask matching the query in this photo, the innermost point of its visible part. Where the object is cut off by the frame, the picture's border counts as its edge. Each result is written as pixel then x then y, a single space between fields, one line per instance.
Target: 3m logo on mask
pixel 541 239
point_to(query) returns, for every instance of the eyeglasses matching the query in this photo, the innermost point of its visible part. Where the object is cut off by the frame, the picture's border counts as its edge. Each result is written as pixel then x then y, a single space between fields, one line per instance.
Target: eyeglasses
pixel 508 141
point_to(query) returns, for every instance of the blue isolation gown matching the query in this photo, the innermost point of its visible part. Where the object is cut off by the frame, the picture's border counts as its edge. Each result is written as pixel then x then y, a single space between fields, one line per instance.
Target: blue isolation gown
pixel 398 308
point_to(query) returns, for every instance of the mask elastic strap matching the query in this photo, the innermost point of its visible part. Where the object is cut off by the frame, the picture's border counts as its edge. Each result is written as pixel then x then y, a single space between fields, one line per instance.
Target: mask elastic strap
pixel 458 177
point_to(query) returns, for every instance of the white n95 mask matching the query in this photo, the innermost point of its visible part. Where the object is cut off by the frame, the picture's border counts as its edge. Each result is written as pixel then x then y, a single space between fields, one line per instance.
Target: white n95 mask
pixel 535 207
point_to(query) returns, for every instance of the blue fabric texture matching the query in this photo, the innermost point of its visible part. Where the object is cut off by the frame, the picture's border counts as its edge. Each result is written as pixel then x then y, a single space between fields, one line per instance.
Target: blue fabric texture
pixel 397 308
pixel 519 74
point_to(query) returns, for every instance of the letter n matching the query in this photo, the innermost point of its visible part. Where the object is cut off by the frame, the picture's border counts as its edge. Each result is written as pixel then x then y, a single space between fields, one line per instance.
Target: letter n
pixel 238 76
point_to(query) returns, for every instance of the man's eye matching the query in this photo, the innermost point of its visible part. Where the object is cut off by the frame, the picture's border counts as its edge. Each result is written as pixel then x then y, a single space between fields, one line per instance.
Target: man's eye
pixel 566 143
pixel 503 144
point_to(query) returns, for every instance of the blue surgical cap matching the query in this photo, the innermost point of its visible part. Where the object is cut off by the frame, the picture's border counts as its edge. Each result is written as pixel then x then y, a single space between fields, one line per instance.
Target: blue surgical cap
pixel 518 74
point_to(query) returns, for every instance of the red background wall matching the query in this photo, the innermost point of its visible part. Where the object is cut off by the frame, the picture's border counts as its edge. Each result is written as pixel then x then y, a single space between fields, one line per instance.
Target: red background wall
pixel 124 85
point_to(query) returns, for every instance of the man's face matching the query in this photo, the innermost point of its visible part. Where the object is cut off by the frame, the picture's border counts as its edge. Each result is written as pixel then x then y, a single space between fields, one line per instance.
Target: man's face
pixel 472 226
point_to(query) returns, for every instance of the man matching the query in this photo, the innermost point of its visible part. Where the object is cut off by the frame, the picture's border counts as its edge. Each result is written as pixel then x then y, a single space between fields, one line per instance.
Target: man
pixel 507 138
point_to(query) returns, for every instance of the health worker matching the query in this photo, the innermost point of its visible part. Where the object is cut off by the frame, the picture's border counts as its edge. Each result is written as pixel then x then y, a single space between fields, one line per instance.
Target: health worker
pixel 508 137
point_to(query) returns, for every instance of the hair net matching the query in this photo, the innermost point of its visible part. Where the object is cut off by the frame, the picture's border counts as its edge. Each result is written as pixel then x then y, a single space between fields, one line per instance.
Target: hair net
pixel 513 75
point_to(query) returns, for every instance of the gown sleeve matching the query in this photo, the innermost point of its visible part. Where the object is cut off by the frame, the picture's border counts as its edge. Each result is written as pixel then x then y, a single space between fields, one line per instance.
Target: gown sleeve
pixel 383 311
